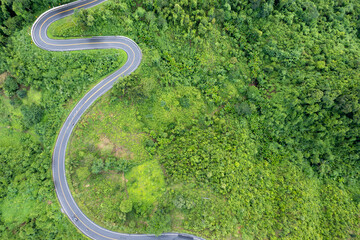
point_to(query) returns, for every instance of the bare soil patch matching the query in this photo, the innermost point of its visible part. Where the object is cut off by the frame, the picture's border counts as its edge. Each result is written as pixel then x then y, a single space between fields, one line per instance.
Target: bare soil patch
pixel 105 144
pixel 3 77
pixel 122 152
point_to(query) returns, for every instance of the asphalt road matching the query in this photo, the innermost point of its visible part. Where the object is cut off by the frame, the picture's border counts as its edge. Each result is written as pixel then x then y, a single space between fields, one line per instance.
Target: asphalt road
pixel 40 38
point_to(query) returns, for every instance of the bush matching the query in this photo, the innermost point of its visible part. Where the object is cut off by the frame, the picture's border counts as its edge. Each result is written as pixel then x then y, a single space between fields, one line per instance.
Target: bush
pixel 160 222
pixel 97 166
pixel 15 102
pixel 21 93
pixel 31 115
pixel 10 86
pixel 126 206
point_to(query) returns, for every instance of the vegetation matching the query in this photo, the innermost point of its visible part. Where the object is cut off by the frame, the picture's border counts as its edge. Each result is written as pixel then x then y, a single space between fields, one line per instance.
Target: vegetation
pixel 38 89
pixel 242 121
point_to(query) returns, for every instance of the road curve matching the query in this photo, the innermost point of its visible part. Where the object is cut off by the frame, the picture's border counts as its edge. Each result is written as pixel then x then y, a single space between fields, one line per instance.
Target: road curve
pixel 40 38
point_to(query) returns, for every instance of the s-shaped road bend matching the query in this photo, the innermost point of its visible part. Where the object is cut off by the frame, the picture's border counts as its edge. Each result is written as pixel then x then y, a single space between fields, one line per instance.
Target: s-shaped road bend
pixel 40 38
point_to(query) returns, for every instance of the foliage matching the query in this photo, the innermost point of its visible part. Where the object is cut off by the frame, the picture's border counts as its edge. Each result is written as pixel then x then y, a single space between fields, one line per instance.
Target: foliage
pixel 97 166
pixel 126 206
pixel 249 112
pixel 10 86
pixel 14 14
pixel 230 129
pixel 160 222
pixel 21 93
pixel 40 90
pixel 129 87
pixel 31 114
pixel 146 185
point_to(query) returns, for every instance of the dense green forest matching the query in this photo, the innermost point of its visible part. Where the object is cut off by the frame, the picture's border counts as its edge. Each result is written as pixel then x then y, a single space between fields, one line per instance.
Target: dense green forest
pixel 242 121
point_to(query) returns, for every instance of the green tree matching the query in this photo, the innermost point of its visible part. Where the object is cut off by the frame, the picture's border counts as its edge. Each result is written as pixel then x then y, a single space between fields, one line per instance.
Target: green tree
pixel 129 87
pixel 21 93
pixel 97 166
pixel 10 86
pixel 31 114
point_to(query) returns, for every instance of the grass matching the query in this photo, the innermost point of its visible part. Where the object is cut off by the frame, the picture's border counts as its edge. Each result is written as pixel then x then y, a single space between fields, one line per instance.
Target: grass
pixel 56 28
pixel 110 131
pixel 8 137
pixel 33 96
pixel 121 131
pixel 14 114
pixel 18 209
pixel 67 27
pixel 121 55
pixel 146 183
pixel 266 200
pixel 115 130
pixel 173 105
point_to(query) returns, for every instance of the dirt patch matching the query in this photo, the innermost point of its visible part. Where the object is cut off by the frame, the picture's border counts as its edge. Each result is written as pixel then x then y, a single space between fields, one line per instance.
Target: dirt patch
pixel 125 181
pixel 105 144
pixel 122 152
pixel 3 77
pixel 105 141
pixel 49 202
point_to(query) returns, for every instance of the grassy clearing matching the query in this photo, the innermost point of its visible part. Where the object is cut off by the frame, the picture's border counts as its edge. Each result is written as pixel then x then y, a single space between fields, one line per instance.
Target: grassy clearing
pixel 8 137
pixel 114 133
pixel 13 116
pixel 114 129
pixel 33 96
pixel 146 183
pixel 107 142
pixel 57 28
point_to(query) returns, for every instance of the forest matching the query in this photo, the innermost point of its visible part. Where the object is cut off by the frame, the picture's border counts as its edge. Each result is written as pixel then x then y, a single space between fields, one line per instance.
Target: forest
pixel 242 121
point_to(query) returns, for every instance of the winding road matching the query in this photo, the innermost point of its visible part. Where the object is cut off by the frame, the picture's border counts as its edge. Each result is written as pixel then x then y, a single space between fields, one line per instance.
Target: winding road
pixel 40 38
